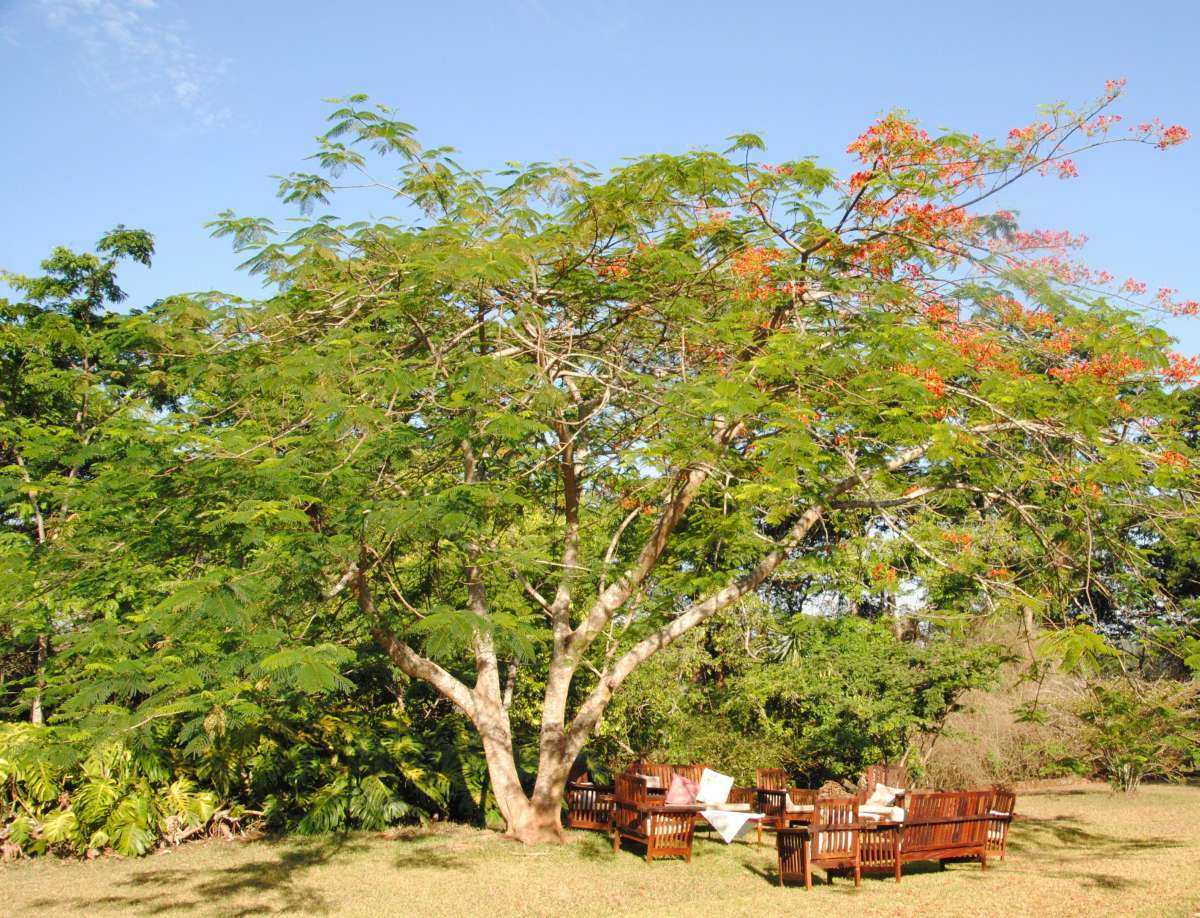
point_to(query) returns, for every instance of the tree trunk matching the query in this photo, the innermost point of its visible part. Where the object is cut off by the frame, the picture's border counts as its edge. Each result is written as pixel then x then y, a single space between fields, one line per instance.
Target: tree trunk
pixel 35 711
pixel 534 819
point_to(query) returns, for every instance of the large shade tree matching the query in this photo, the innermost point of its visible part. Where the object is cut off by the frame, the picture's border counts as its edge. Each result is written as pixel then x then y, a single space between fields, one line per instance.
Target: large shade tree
pixel 535 430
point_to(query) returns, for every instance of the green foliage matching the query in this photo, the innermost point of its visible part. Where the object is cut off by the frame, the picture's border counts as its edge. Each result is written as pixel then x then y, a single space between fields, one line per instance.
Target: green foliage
pixel 856 694
pixel 1133 729
pixel 114 796
pixel 546 421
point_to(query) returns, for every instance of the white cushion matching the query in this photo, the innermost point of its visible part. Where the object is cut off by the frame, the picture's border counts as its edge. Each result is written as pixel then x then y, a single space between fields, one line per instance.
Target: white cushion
pixel 791 806
pixel 729 807
pixel 653 782
pixel 881 796
pixel 714 787
pixel 876 811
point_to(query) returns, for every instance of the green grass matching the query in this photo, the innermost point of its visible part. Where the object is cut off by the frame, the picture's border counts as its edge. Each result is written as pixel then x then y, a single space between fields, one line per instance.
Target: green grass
pixel 1083 852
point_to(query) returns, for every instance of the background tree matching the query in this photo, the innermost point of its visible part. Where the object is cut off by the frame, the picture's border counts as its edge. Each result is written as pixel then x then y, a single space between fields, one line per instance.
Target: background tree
pixel 62 383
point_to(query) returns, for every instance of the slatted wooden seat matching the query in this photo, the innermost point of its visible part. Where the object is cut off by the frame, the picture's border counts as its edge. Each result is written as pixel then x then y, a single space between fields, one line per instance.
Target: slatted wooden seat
pixel 666 831
pixel 831 842
pixel 945 826
pixel 589 807
pixel 691 772
pixel 891 775
pixel 781 804
pixel 1004 802
pixel 660 770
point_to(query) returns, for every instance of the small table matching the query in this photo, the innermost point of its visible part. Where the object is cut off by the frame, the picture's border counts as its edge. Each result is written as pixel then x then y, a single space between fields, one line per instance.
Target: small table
pixel 731 823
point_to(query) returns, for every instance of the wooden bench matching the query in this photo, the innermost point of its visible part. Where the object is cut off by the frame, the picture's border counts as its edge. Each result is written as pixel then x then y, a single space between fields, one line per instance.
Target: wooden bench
pixel 936 827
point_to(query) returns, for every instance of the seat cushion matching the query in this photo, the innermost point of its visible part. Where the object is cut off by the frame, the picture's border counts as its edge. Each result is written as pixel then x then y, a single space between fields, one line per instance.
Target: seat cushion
pixel 653 782
pixel 791 806
pixel 729 807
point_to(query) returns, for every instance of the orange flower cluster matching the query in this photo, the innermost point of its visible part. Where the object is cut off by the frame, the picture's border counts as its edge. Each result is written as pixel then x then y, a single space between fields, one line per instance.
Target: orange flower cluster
pixel 884 574
pixel 612 267
pixel 885 135
pixel 1181 369
pixel 1173 459
pixel 1000 573
pixel 982 353
pixel 1012 312
pixel 1092 487
pixel 931 377
pixel 961 539
pixel 1106 368
pixel 755 261
pixel 1165 300
pixel 714 220
pixel 940 313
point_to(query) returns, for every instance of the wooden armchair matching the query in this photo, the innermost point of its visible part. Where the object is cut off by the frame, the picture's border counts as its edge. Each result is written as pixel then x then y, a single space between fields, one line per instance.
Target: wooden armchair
pixel 589 807
pixel 1004 801
pixel 831 842
pixel 666 831
pixel 781 804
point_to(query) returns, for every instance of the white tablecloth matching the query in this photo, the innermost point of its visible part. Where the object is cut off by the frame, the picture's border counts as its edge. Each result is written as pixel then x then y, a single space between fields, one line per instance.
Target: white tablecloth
pixel 730 824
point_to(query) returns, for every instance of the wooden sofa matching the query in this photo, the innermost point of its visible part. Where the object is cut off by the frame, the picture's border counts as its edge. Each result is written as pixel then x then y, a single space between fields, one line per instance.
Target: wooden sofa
pixel 665 773
pixel 937 827
pixel 666 831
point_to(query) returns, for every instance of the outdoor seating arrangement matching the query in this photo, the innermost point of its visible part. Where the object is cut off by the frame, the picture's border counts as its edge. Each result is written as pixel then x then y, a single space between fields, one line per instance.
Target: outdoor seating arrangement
pixel 879 829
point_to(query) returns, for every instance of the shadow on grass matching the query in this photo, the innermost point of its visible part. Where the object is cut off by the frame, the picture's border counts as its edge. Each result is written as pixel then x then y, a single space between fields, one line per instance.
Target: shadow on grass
pixel 1062 837
pixel 264 885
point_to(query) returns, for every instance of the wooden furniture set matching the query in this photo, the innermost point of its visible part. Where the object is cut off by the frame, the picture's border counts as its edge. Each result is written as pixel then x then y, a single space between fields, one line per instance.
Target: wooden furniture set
pixel 811 830
pixel 941 827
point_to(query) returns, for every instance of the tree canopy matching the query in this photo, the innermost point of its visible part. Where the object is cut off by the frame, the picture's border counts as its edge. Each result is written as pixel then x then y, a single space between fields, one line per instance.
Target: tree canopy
pixel 531 433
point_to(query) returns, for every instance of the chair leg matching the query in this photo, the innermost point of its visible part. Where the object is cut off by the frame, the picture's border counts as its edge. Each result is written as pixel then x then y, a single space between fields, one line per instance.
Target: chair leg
pixel 616 842
pixel 857 876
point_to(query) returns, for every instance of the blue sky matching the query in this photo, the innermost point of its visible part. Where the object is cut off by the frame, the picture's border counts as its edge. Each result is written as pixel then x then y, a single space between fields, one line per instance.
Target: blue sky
pixel 160 113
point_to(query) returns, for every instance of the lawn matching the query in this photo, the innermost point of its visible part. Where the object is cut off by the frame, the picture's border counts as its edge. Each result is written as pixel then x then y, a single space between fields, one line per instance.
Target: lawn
pixel 1080 852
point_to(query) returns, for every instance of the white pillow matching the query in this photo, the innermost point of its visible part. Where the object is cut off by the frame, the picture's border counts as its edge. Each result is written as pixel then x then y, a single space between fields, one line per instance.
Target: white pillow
pixel 881 796
pixel 714 787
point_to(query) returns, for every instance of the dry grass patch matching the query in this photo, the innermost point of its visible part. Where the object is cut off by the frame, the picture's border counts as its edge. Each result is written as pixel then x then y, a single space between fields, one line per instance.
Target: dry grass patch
pixel 1082 852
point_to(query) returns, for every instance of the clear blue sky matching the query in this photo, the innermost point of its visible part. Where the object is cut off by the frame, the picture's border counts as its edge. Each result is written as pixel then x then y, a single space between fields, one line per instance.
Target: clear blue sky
pixel 159 113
